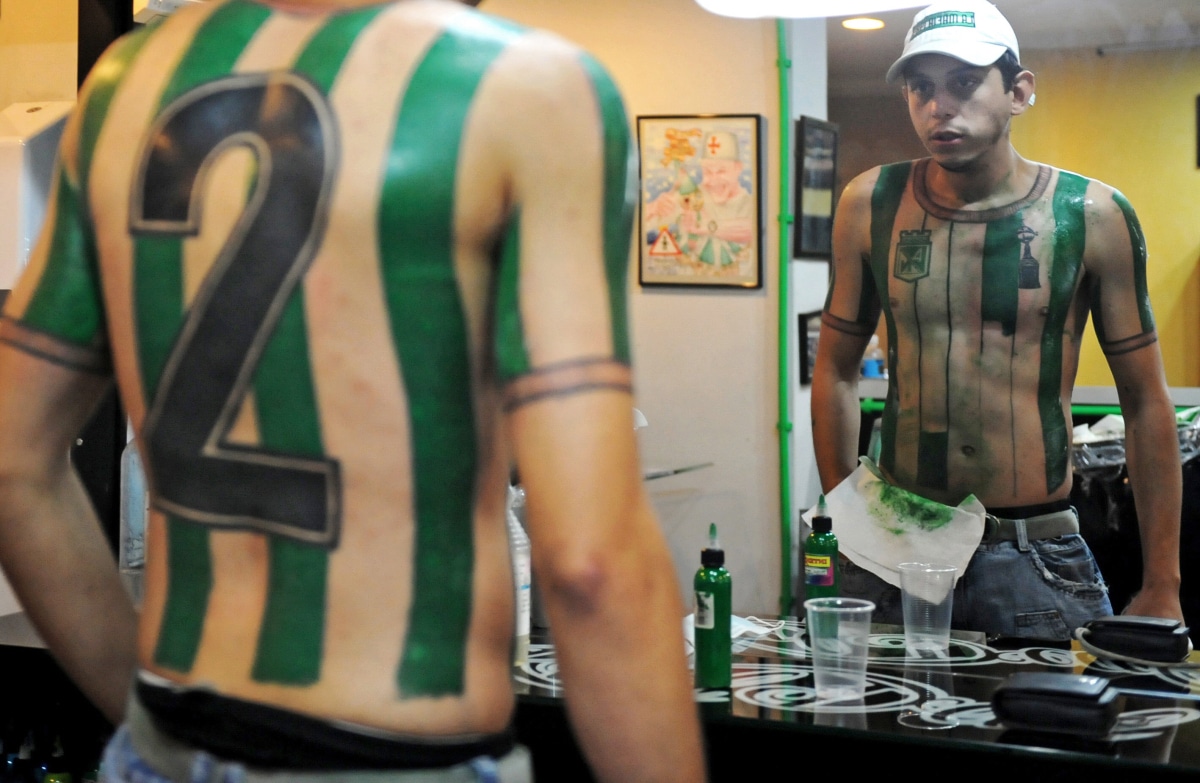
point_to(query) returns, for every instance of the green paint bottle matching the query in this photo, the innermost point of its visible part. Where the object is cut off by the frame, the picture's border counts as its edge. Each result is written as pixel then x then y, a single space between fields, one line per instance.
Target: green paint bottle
pixel 714 594
pixel 821 572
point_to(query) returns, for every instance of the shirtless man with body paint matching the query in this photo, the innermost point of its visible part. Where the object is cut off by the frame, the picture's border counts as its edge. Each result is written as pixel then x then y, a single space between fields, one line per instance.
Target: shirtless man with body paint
pixel 317 245
pixel 986 266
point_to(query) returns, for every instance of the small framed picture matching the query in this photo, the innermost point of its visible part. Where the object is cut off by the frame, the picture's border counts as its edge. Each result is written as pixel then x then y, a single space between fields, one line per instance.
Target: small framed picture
pixel 808 333
pixel 816 176
pixel 701 216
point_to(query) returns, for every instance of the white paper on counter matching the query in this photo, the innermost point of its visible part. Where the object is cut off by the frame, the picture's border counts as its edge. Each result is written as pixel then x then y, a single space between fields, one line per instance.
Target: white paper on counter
pixel 8 600
pixel 879 525
pixel 751 627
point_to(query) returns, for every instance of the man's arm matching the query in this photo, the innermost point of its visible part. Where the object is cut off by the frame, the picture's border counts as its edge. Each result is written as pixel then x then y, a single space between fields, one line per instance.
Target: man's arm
pixel 845 332
pixel 609 585
pixel 1152 458
pixel 606 575
pixel 1116 257
pixel 51 545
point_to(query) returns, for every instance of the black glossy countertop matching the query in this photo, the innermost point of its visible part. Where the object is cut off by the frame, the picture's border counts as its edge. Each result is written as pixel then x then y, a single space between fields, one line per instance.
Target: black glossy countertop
pixel 943 703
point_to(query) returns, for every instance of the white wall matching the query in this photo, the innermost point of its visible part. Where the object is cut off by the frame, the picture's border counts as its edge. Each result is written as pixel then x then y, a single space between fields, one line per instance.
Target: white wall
pixel 706 361
pixel 809 278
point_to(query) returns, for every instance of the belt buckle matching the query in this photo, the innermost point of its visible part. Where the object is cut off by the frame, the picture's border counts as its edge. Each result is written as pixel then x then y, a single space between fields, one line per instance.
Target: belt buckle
pixel 991 527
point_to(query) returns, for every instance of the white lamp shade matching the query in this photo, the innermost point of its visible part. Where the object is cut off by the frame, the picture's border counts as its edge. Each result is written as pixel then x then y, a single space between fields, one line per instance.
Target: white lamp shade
pixel 803 9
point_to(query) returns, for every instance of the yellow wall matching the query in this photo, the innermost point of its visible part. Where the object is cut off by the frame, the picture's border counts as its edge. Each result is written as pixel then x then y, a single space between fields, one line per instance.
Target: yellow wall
pixel 37 50
pixel 1130 120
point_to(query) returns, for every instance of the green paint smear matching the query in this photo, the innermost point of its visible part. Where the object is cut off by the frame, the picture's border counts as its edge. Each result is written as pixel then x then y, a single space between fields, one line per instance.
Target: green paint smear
pixel 898 509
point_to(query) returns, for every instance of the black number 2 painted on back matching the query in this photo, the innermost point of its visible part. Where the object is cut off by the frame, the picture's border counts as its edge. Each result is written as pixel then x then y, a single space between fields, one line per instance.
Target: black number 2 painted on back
pixel 197 474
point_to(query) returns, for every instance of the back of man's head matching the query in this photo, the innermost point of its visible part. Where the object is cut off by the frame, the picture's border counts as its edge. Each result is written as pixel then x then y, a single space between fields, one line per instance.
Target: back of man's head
pixel 973 31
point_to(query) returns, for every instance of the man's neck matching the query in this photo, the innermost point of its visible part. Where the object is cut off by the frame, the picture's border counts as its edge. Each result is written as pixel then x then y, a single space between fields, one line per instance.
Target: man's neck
pixel 986 183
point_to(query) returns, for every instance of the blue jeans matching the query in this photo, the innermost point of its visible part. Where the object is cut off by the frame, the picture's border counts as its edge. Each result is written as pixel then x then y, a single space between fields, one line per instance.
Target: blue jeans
pixel 1045 592
pixel 140 753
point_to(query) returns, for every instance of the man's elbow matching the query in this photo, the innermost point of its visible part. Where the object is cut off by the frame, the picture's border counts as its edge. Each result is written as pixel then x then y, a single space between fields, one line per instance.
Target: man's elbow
pixel 590 581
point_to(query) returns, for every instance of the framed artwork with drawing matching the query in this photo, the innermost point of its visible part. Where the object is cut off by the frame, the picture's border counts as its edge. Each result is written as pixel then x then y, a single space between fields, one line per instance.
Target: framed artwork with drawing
pixel 701 200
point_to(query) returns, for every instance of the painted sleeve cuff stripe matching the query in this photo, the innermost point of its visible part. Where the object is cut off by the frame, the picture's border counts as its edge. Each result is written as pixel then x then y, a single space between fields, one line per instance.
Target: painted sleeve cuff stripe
pixel 847 327
pixel 567 378
pixel 52 349
pixel 1129 344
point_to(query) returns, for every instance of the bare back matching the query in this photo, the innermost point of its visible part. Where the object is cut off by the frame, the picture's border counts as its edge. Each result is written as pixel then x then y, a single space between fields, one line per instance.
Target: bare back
pixel 315 293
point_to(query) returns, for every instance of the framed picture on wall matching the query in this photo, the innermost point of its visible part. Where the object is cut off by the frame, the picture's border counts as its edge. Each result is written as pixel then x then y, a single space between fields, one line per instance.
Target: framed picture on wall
pixel 808 333
pixel 700 217
pixel 816 176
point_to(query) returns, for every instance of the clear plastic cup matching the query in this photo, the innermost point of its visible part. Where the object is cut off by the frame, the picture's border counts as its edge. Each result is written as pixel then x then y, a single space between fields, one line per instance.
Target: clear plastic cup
pixel 927 597
pixel 839 634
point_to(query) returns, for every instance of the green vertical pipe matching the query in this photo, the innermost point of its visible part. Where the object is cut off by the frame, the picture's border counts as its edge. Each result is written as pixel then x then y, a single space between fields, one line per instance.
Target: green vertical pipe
pixel 784 425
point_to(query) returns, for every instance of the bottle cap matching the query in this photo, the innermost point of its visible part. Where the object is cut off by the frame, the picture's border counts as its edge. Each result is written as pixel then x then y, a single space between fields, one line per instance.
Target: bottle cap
pixel 712 556
pixel 821 523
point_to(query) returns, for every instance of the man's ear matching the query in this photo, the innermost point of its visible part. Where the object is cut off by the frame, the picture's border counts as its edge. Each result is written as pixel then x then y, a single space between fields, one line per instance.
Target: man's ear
pixel 1024 84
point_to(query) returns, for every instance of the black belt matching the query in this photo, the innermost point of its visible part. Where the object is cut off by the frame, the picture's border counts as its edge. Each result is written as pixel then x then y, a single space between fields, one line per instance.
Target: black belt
pixel 1044 520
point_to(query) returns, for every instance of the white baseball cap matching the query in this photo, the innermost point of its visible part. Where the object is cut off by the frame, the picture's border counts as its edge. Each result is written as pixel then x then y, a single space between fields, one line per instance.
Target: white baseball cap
pixel 973 31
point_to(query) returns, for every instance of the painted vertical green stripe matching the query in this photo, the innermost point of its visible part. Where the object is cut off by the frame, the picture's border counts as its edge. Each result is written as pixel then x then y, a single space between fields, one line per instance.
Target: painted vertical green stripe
pixel 933 459
pixel 1069 237
pixel 1001 262
pixel 158 298
pixel 158 302
pixel 216 46
pixel 105 77
pixel 69 283
pixel 1137 241
pixel 190 581
pixel 430 333
pixel 885 201
pixel 291 638
pixel 326 51
pixel 70 277
pixel 618 201
pixel 509 343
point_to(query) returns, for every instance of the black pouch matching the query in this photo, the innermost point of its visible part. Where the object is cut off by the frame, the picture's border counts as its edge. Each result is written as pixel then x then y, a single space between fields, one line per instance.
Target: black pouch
pixel 1061 703
pixel 1154 639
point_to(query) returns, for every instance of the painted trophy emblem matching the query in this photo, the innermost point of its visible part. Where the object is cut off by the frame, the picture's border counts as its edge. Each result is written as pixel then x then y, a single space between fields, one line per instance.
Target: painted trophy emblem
pixel 1028 275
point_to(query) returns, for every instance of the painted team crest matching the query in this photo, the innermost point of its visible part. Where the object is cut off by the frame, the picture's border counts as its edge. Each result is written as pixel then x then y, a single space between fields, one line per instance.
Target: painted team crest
pixel 913 252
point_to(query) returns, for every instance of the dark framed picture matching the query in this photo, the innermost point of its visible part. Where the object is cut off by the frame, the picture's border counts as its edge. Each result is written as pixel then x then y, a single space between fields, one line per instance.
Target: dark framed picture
pixel 701 201
pixel 816 176
pixel 808 332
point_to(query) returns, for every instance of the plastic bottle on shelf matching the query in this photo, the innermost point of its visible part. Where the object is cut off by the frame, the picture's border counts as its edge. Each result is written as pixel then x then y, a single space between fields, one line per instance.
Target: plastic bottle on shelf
pixel 821 573
pixel 874 365
pixel 714 594
pixel 518 542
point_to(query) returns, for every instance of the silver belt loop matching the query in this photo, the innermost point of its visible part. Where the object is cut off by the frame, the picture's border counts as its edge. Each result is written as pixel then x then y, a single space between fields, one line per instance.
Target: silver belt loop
pixel 1022 535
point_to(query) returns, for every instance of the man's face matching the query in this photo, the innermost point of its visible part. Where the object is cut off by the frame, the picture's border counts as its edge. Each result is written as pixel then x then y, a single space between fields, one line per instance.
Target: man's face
pixel 959 111
pixel 720 179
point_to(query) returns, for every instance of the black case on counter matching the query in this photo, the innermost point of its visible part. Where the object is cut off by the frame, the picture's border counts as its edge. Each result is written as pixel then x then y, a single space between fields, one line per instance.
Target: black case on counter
pixel 1062 703
pixel 1146 638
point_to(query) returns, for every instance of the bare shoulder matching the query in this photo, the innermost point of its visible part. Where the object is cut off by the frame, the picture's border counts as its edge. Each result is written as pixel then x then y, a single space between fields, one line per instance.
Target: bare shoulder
pixel 857 192
pixel 1113 232
pixel 852 219
pixel 544 73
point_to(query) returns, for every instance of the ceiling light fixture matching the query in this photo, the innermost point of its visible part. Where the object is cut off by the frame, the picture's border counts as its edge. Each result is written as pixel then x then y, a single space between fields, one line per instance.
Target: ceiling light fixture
pixel 863 23
pixel 802 9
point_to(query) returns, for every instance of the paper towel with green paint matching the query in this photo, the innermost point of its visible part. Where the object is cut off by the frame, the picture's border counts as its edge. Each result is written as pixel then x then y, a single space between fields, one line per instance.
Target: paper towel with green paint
pixel 880 525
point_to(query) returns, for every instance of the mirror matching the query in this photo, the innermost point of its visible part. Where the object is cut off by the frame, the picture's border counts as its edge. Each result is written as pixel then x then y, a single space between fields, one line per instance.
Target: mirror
pixel 1117 86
